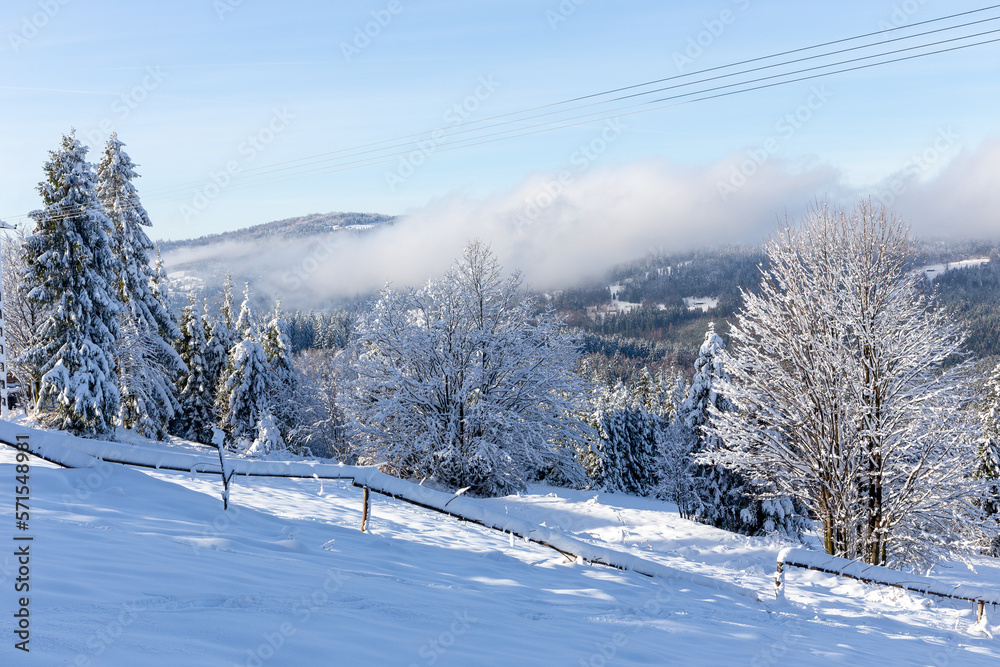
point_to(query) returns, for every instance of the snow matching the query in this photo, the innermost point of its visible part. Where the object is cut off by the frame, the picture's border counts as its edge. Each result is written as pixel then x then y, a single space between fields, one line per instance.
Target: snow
pixel 932 271
pixel 136 566
pixel 704 303
pixel 858 570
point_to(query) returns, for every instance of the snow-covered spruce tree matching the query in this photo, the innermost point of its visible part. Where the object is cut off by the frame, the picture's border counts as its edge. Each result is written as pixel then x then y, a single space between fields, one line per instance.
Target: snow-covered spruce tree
pixel 988 467
pixel 719 496
pixel 247 323
pixel 462 382
pixel 623 455
pixel 243 402
pixel 147 399
pixel 841 395
pixel 220 336
pixel 268 437
pixel 70 274
pixel 195 417
pixel 283 377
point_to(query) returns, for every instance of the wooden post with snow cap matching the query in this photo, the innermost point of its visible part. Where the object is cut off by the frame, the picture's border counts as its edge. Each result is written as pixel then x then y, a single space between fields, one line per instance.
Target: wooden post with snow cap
pixel 883 576
pixel 364 509
pixel 779 575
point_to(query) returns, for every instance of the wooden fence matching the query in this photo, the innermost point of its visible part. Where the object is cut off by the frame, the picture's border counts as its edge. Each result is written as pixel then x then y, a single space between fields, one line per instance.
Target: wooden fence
pixel 874 574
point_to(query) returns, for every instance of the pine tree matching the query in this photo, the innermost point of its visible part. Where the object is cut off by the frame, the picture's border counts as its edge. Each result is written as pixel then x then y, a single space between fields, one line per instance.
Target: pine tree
pixel 283 377
pixel 721 497
pixel 247 324
pixel 220 336
pixel 159 287
pixel 626 450
pixel 195 417
pixel 71 273
pixel 243 399
pixel 268 437
pixel 147 400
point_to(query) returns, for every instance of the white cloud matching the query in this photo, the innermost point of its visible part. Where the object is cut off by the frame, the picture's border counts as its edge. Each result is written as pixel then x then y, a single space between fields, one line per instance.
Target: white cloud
pixel 558 234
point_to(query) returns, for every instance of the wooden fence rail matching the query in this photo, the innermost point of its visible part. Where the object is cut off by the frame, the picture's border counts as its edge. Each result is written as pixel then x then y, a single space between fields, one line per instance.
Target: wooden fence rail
pixel 874 574
pixel 72 452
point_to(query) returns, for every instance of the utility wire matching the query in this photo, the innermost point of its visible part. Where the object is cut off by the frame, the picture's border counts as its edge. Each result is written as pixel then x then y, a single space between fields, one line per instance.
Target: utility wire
pixel 454 130
pixel 562 122
pixel 268 174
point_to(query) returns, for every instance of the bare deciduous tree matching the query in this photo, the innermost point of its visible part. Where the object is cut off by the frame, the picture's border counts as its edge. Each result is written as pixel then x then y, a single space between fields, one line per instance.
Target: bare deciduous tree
pixel 844 402
pixel 22 315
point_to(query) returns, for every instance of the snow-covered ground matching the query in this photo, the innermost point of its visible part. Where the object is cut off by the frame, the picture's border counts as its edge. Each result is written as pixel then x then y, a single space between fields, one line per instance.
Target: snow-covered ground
pixel 934 270
pixel 702 303
pixel 139 567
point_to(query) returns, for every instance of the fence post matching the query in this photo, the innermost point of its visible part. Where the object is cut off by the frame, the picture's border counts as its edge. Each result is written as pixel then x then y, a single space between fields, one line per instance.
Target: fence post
pixel 364 509
pixel 779 580
pixel 980 611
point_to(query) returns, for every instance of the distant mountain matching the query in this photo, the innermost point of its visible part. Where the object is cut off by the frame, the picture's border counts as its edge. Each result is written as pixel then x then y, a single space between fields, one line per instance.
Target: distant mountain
pixel 314 224
pixel 273 258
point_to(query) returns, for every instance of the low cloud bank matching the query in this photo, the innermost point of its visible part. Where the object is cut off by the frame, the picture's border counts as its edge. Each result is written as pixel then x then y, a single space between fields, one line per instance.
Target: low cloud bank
pixel 560 229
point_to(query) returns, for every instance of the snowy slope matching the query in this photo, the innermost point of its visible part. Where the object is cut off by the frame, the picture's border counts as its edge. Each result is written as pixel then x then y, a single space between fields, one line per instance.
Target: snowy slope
pixel 143 567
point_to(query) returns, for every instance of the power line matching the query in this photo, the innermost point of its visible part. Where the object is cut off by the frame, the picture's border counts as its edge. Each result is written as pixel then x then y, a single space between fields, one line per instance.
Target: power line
pixel 561 123
pixel 453 130
pixel 267 174
pixel 394 158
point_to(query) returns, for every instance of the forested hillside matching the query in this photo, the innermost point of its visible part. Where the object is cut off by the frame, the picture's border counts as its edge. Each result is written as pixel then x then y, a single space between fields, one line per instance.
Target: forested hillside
pixel 660 331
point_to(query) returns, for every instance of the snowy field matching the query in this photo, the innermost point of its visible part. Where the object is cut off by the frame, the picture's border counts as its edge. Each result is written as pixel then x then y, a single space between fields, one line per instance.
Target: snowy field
pixel 138 567
pixel 934 270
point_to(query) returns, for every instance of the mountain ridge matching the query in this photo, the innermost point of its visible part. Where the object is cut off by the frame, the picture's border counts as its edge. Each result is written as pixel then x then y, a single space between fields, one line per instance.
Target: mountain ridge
pixel 313 224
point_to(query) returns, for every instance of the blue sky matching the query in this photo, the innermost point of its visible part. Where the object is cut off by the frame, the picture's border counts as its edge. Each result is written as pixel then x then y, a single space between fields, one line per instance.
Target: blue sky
pixel 186 84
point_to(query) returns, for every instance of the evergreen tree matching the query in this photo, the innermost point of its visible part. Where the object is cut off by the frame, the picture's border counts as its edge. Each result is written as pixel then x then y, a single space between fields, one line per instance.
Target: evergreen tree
pixel 147 401
pixel 71 274
pixel 721 497
pixel 195 417
pixel 220 336
pixel 283 377
pixel 268 437
pixel 623 458
pixel 247 324
pixel 243 399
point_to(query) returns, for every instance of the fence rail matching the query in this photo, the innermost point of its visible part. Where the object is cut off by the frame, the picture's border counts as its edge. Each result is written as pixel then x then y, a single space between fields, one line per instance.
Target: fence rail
pixel 72 452
pixel 874 574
